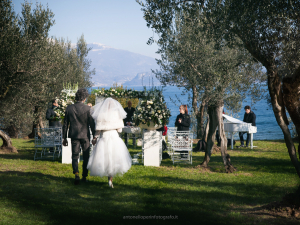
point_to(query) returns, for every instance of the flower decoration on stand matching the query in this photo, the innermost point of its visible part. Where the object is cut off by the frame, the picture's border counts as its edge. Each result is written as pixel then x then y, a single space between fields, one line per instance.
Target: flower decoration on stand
pixel 117 93
pixel 152 110
pixel 67 97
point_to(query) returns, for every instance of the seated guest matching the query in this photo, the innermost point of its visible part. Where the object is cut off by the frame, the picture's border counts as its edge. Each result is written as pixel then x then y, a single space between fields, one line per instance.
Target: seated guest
pixel 51 116
pixel 249 117
pixel 183 120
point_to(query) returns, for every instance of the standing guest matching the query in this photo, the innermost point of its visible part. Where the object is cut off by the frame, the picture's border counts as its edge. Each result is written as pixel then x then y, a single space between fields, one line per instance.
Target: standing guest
pixel 249 117
pixel 183 120
pixel 51 115
pixel 128 120
pixel 130 111
pixel 79 121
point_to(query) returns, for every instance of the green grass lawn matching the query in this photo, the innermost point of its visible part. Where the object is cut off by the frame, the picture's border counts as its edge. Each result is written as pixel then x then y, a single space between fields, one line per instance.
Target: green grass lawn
pixel 43 192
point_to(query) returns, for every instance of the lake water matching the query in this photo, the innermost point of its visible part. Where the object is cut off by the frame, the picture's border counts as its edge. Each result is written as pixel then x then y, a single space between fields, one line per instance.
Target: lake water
pixel 267 127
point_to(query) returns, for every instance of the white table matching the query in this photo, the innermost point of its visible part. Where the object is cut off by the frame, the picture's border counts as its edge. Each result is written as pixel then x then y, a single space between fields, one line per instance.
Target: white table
pixel 131 130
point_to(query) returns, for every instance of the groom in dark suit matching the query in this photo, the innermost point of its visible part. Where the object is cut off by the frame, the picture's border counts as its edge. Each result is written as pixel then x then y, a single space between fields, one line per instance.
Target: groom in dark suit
pixel 79 121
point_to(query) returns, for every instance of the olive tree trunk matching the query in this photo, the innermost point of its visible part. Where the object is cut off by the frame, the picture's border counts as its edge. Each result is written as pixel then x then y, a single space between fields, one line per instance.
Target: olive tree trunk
pixel 37 123
pixel 291 96
pixel 276 93
pixel 216 120
pixel 7 144
pixel 205 135
pixel 199 113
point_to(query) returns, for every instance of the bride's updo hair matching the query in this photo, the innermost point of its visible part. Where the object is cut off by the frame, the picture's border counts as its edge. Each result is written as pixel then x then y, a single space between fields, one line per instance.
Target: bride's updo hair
pixel 81 94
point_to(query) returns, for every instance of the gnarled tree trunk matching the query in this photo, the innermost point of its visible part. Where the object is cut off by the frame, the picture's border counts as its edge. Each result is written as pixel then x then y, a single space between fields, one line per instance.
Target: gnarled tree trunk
pixel 276 93
pixel 225 156
pixel 200 120
pixel 7 144
pixel 216 120
pixel 198 112
pixel 37 123
pixel 205 135
pixel 291 96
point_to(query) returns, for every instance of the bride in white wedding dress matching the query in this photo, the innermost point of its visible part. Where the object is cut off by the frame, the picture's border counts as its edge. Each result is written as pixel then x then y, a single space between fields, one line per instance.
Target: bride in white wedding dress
pixel 110 156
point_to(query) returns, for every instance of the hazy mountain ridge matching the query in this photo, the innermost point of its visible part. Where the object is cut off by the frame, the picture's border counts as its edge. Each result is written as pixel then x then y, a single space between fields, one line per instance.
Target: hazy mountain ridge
pixel 120 66
pixel 143 79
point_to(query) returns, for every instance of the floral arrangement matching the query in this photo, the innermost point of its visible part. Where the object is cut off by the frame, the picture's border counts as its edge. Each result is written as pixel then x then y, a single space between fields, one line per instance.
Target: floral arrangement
pixel 67 97
pixel 118 93
pixel 152 108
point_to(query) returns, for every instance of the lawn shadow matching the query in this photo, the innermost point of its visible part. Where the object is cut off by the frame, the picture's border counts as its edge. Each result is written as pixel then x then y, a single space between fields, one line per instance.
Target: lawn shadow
pixel 250 164
pixel 57 201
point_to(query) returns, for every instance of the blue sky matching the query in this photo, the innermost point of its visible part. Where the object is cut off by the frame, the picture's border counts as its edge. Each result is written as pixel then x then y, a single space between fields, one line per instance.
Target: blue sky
pixel 116 23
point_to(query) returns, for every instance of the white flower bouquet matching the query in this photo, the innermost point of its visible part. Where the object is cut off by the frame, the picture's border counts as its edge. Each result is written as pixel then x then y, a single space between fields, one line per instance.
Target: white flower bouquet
pixel 67 97
pixel 152 110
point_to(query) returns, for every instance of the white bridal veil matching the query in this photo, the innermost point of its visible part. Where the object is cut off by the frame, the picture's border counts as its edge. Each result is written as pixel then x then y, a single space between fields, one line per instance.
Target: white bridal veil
pixel 108 115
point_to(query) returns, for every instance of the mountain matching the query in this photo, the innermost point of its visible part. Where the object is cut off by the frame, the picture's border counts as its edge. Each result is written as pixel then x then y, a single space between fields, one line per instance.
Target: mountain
pixel 143 79
pixel 119 66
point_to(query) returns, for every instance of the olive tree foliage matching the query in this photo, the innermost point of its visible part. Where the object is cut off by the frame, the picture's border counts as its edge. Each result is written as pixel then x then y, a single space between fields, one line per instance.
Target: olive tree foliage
pixel 269 30
pixel 214 71
pixel 33 66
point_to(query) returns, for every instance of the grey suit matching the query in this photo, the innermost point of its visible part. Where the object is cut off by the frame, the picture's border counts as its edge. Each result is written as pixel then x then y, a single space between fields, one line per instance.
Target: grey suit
pixel 79 121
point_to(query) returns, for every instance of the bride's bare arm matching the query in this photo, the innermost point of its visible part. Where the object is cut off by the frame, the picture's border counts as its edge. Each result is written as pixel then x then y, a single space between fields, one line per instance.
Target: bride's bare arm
pixel 119 130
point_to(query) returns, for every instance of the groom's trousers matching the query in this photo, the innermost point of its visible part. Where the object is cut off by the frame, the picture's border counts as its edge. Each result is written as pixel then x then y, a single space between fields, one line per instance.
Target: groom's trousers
pixel 85 145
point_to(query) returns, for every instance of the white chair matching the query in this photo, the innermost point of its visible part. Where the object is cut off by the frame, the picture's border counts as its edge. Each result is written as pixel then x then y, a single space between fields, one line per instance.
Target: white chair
pixel 170 137
pixel 46 139
pixel 182 147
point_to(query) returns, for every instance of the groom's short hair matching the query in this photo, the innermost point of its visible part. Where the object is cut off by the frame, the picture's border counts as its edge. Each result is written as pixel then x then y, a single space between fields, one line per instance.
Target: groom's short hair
pixel 81 94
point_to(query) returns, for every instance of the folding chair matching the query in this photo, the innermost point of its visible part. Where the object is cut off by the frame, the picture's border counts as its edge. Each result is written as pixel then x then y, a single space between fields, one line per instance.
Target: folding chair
pixel 170 137
pixel 47 139
pixel 182 147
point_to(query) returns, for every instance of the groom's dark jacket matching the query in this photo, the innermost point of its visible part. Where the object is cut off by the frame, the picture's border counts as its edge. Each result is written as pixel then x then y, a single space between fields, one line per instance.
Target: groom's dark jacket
pixel 78 119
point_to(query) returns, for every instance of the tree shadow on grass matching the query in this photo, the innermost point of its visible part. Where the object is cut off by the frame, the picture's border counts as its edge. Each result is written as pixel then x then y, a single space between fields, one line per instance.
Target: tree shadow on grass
pixel 55 200
pixel 249 164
